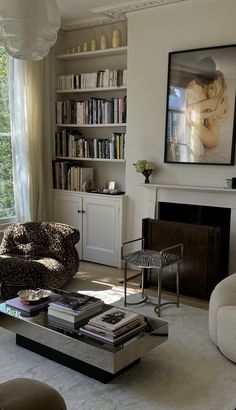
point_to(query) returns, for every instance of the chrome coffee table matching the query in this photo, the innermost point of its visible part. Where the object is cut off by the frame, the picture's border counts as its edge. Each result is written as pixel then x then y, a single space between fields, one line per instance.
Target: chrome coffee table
pixel 79 352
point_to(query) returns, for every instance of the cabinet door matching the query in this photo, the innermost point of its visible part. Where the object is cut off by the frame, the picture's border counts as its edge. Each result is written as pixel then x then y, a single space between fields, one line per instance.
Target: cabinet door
pixel 68 210
pixel 102 230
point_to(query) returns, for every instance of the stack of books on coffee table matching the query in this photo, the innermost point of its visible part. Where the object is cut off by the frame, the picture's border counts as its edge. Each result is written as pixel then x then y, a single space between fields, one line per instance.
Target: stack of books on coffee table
pixel 69 309
pixel 114 326
pixel 27 309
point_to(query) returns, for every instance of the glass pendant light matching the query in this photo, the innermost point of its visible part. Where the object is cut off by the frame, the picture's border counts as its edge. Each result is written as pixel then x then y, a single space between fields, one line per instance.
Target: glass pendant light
pixel 28 28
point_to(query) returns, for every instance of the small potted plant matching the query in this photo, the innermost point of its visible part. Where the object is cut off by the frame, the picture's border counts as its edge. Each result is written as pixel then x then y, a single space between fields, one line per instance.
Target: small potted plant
pixel 145 167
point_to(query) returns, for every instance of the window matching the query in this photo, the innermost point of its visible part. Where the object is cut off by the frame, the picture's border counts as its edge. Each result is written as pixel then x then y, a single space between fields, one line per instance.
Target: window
pixel 7 206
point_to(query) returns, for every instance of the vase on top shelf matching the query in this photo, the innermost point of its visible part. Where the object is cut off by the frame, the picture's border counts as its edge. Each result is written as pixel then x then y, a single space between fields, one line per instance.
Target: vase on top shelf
pixel 116 38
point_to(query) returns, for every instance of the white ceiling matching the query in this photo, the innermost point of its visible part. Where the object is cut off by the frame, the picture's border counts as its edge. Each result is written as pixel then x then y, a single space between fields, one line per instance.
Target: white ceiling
pixel 82 13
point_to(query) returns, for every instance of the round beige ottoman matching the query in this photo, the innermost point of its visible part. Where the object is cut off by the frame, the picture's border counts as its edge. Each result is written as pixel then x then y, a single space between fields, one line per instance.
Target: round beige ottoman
pixel 226 331
pixel 222 316
pixel 29 394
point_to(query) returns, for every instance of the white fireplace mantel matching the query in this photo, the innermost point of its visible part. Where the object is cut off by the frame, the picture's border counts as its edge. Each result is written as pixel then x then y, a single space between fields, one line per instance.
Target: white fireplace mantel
pixel 196 195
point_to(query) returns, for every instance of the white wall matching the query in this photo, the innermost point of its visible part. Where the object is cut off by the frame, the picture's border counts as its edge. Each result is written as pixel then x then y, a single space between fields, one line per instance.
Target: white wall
pixel 153 33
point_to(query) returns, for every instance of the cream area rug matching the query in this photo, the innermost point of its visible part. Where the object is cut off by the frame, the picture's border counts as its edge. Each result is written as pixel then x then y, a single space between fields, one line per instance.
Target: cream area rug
pixel 185 373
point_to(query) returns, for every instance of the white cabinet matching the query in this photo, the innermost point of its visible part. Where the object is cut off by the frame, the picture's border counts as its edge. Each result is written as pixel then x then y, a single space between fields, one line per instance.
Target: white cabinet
pixel 102 229
pixel 100 219
pixel 68 210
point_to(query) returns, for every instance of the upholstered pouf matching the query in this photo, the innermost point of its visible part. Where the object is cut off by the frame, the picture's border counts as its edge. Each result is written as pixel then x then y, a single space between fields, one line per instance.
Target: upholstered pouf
pixel 222 316
pixel 28 394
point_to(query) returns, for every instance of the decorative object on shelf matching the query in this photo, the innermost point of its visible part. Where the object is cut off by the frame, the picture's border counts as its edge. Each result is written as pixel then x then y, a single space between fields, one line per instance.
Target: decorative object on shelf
pixel 145 167
pixel 88 185
pixel 104 41
pixel 228 183
pixel 28 29
pixel 116 38
pixel 85 46
pixel 93 45
pixel 78 49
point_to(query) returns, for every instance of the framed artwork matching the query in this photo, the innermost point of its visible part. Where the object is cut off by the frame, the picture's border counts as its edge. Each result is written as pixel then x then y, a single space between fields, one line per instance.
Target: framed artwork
pixel 200 111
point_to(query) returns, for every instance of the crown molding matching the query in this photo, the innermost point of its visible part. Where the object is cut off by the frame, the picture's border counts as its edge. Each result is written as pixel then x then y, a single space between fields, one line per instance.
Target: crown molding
pixel 114 14
pixel 89 22
pixel 120 10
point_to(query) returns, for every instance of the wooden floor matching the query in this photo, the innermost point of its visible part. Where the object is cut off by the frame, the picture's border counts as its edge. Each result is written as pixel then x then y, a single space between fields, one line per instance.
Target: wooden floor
pixel 114 277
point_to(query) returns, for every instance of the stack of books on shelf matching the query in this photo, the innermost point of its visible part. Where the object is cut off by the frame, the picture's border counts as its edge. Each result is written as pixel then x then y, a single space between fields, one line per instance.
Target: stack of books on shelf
pixel 71 308
pixel 114 326
pixel 70 176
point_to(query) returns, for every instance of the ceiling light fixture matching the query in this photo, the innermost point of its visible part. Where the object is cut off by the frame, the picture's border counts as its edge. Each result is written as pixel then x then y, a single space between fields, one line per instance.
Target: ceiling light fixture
pixel 28 28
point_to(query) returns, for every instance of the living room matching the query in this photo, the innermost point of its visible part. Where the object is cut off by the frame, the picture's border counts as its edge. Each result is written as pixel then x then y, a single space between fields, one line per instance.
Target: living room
pixel 165 380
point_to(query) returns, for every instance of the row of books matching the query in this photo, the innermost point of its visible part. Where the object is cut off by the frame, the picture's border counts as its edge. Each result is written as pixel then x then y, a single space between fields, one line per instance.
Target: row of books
pixel 69 143
pixel 71 308
pixel 102 78
pixel 91 111
pixel 69 176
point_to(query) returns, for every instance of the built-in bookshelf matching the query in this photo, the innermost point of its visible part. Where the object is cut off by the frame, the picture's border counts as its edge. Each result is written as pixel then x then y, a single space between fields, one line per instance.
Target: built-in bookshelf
pixel 91 112
pixel 90 138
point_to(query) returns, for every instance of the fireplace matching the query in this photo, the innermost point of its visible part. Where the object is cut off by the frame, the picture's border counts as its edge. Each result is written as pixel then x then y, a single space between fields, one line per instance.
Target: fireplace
pixel 211 209
pixel 202 215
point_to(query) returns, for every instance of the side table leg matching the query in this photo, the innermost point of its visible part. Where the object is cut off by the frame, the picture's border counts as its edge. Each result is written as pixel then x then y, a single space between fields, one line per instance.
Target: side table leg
pixel 125 283
pixel 159 274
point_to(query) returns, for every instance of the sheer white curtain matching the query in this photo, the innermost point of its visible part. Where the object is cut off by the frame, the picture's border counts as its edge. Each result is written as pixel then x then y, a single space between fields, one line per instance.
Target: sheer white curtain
pixel 30 88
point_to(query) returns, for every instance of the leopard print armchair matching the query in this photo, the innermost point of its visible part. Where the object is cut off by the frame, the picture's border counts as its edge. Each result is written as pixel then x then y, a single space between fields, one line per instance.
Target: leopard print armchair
pixel 37 255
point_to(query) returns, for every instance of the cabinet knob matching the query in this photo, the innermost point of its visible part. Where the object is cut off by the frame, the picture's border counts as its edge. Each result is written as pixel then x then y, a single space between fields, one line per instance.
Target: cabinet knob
pixel 83 212
pixel 79 211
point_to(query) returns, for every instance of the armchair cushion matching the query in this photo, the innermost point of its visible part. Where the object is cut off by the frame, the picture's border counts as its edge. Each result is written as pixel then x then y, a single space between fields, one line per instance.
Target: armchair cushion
pixel 41 239
pixel 41 254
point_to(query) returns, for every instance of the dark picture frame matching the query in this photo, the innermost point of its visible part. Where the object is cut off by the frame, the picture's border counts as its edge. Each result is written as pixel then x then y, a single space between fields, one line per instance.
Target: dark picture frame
pixel 200 107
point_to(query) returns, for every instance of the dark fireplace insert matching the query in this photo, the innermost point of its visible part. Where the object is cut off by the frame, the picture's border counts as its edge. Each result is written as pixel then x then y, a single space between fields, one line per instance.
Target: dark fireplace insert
pixel 204 232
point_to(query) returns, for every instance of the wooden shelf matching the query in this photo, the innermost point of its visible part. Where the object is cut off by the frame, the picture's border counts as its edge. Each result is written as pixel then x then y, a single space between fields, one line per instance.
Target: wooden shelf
pixel 90 54
pixel 92 90
pixel 91 159
pixel 90 125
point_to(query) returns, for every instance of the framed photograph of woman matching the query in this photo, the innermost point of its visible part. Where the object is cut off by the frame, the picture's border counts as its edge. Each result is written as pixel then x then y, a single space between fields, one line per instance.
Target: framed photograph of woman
pixel 200 112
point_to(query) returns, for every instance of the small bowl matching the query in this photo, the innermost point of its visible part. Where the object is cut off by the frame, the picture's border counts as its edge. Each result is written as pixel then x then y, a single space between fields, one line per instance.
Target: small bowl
pixel 30 296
